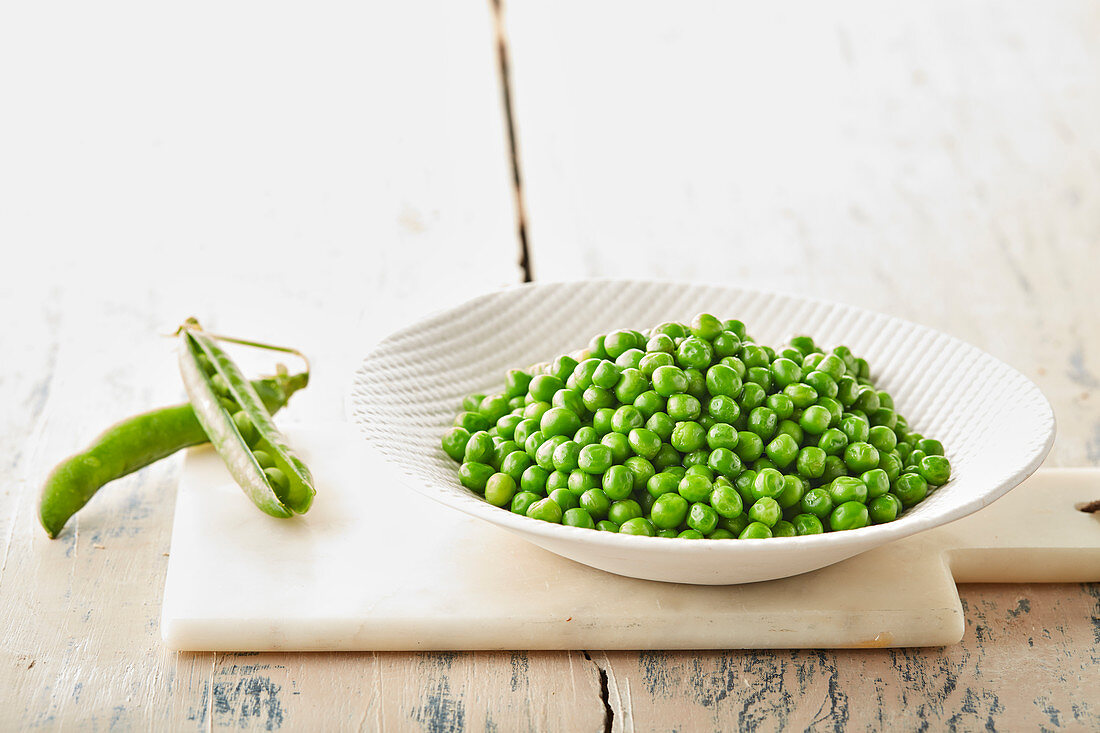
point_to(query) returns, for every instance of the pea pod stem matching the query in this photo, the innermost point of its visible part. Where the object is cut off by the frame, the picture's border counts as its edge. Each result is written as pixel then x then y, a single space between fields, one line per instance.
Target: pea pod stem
pixel 134 443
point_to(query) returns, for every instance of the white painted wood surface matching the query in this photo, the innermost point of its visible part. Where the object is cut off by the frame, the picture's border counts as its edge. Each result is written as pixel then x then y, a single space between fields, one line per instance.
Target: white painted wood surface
pixel 937 161
pixel 293 160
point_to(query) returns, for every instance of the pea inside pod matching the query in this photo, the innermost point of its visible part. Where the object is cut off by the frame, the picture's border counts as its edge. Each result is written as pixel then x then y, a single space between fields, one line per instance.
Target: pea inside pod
pixel 241 428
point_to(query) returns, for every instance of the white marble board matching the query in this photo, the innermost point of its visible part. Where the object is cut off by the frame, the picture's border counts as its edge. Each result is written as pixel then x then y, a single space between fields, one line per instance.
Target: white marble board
pixel 374 566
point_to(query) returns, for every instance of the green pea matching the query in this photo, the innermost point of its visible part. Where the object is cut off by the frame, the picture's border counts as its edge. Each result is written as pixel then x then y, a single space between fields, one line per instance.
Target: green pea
pixel 566 456
pixel 506 426
pixel 596 502
pixel 606 375
pixel 823 383
pixel 601 420
pixel 619 445
pixel 883 438
pixel 618 482
pixel 473 475
pixel 694 487
pixel 782 450
pixel 694 352
pixel 867 400
pixel 667 457
pixel 638 526
pixel 769 483
pixel 649 403
pixel 565 499
pixel 558 479
pixel 570 399
pixel 783 528
pixel 817 502
pixel 801 395
pixel 832 365
pixel 454 443
pixel 524 429
pixel 856 429
pixel 835 409
pixel 644 442
pixel 581 481
pixel 660 343
pixel 811 462
pixel 834 468
pixel 793 490
pixel 479 448
pixel 578 517
pixel 631 384
pixel 543 387
pixel 847 488
pixel 815 419
pixel 688 436
pixel 755 531
pixel 723 408
pixel 533 481
pixel 669 380
pixel 586 435
pixel 935 469
pixel 832 442
pixel 765 510
pixel 749 446
pixel 702 518
pixel 683 407
pixel 735 364
pixel 662 483
pixel 545 509
pixel 522 501
pixel 911 488
pixel 914 458
pixel 596 398
pixel 752 396
pixel 535 410
pixel 626 418
pixel 494 407
pixel 725 462
pixel 263 458
pixel 721 435
pixel 652 361
pixel 595 458
pixel 499 489
pixel 607 526
pixel 884 508
pixel 761 376
pixel 849 515
pixel 891 464
pixel 616 342
pixel 515 464
pixel 669 511
pixel 472 421
pixel 860 457
pixel 629 359
pixel 562 367
pixel 581 378
pixel 876 481
pixel 660 424
pixel 624 510
pixel 640 470
pixel 805 524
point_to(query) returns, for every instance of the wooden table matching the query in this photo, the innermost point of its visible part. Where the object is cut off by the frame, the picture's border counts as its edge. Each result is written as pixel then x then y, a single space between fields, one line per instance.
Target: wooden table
pixel 319 177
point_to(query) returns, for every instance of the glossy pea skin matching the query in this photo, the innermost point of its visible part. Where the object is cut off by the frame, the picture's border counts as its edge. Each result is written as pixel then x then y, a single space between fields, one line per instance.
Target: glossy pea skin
pixel 667 457
pixel 663 483
pixel 581 378
pixel 822 383
pixel 800 394
pixel 783 528
pixel 761 376
pixel 586 435
pixel 682 407
pixel 606 374
pixel 725 500
pixel 515 464
pixel 557 479
pixel 721 435
pixel 617 342
pixel 884 509
pixel 631 384
pixel 856 429
pixel 784 372
pixel 834 468
pixel 660 342
pixel 606 525
pixel 752 396
pixel 494 407
pixel 522 501
pixel 702 518
pixel 535 410
pixel 725 462
pixel 876 481
pixel 817 502
pixel 533 480
pixel 849 515
pixel 806 524
pixel 782 451
pixel 705 326
pixel 935 469
pixel 669 380
pixel 544 454
pixel 618 482
pixel 847 488
pixel 638 526
pixel 571 399
pixel 562 367
pixel 891 464
pixel 470 403
pixel 860 457
pixel 694 487
pixel 769 483
pixel 832 442
pixel 578 517
pixel 810 462
pixel 654 360
pixel 694 352
pixel 595 458
pixel 661 424
pixel 472 421
pixel 579 482
pixel 644 442
pixel 454 442
pixel 524 429
pixel 930 447
pixel 649 403
pixel 479 448
pixel 619 446
pixel 626 418
pixel 763 422
pixel 883 438
pixel 749 446
pixel 543 387
pixel 506 426
pixel 565 456
pixel 640 471
pixel 726 344
pixel 596 502
pixel 756 531
pixel 565 498
pixel 629 359
pixel 596 398
pixel 723 408
pixel 546 510
pixel 669 511
pixel 815 419
pixel 793 490
pixel 688 436
pixel 781 405
pixel 623 511
pixel 499 489
pixel 911 488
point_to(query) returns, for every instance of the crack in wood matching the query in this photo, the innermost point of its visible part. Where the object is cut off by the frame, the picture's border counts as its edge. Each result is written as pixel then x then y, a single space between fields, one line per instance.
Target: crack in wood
pixel 605 694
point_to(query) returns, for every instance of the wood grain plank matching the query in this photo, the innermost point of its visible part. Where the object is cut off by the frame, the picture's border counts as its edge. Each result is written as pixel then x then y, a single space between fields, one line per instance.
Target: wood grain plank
pixel 935 161
pixel 308 178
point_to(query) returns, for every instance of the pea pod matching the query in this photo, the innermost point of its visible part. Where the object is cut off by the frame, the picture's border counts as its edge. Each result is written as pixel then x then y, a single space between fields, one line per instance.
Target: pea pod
pixel 135 443
pixel 240 427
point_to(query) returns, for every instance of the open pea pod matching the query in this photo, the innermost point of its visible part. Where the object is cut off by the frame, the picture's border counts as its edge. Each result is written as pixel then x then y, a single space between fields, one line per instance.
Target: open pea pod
pixel 241 428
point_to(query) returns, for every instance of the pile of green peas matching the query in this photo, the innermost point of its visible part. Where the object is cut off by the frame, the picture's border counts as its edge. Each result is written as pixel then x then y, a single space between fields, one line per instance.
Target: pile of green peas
pixel 696 431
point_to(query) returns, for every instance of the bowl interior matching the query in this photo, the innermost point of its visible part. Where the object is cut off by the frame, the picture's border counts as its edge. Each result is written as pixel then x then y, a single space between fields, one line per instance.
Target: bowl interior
pixel 995 423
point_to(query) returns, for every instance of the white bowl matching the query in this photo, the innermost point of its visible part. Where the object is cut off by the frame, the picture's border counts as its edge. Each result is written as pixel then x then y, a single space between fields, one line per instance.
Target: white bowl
pixel 995 424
